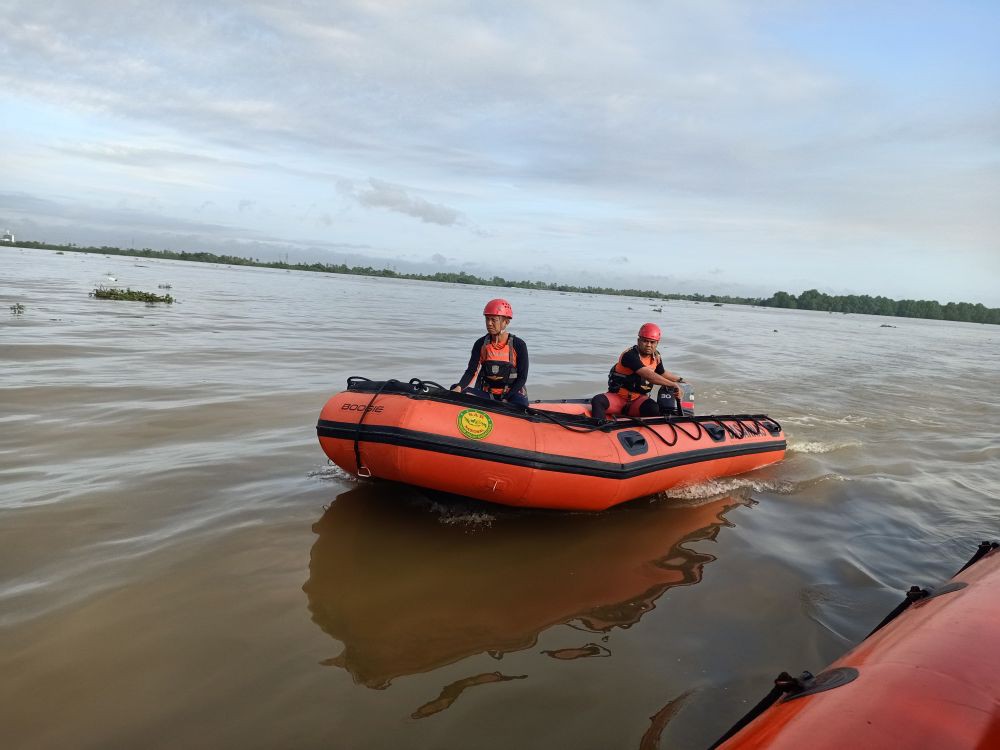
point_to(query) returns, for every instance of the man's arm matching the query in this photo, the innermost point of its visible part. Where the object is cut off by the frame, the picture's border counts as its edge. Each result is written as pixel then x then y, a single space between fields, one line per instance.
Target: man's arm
pixel 470 371
pixel 659 376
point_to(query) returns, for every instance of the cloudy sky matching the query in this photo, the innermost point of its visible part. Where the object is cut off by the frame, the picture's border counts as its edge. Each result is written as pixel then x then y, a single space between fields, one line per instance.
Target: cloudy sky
pixel 689 145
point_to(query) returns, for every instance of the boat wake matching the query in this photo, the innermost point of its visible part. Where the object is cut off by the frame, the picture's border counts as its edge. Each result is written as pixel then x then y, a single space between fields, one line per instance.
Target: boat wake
pixel 814 446
pixel 332 472
pixel 739 486
pixel 730 486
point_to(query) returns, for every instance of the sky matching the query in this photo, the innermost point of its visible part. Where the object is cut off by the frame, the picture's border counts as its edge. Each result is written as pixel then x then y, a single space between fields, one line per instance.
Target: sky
pixel 686 146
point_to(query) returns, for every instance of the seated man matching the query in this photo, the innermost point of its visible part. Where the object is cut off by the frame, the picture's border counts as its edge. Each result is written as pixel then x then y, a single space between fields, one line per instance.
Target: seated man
pixel 499 360
pixel 632 378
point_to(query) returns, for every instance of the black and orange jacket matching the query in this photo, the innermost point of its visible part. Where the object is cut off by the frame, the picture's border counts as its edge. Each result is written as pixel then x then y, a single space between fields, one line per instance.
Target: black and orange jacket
pixel 509 362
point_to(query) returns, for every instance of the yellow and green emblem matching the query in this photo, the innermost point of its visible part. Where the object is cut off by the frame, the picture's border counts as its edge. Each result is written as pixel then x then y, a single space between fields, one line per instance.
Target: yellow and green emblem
pixel 474 424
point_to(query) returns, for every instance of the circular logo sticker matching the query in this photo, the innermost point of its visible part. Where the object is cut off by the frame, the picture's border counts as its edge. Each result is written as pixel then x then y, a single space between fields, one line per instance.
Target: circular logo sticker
pixel 475 424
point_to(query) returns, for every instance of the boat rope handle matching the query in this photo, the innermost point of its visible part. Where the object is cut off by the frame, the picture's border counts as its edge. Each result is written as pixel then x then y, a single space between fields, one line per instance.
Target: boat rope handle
pixel 566 426
pixel 743 430
pixel 364 471
pixel 669 443
pixel 696 436
pixel 731 431
pixel 673 428
pixel 425 385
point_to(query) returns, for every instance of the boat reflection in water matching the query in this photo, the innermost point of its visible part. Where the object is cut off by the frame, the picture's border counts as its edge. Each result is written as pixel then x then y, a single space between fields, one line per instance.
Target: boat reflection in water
pixel 409 585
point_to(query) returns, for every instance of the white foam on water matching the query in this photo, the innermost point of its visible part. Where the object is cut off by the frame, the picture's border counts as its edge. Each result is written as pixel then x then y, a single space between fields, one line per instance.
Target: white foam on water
pixel 814 446
pixel 847 419
pixel 478 520
pixel 332 473
pixel 728 486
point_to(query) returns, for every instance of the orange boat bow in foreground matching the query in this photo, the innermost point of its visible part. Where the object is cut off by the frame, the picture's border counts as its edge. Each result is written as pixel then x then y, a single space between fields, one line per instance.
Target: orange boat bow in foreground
pixel 552 455
pixel 929 679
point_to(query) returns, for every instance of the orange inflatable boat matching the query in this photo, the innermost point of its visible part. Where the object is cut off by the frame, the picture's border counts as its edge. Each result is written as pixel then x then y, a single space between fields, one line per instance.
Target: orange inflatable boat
pixel 550 455
pixel 928 677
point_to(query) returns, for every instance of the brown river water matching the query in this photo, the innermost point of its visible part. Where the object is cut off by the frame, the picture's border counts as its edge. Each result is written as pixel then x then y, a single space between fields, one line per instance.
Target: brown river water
pixel 181 567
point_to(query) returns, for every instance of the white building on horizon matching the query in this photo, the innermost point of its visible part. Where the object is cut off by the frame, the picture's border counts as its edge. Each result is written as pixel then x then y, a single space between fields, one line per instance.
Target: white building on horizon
pixel 8 237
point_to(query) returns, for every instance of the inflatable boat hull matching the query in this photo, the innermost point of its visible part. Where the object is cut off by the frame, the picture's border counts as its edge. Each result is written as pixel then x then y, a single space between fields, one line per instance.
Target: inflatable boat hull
pixel 546 458
pixel 927 679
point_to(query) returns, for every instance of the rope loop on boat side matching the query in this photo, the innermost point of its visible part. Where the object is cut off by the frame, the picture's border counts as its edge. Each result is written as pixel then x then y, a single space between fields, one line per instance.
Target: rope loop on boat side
pixel 364 471
pixel 425 386
pixel 697 435
pixel 673 429
pixel 551 416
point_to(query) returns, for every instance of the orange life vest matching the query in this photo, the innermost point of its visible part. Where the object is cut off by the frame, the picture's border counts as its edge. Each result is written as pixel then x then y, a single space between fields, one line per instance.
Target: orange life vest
pixel 497 367
pixel 626 382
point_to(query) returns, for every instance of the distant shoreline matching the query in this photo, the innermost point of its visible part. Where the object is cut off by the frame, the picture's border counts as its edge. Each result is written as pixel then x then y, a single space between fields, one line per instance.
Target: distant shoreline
pixel 809 300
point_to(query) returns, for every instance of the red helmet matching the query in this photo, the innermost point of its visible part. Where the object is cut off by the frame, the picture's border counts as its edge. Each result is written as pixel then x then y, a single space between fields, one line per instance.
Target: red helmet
pixel 499 307
pixel 650 331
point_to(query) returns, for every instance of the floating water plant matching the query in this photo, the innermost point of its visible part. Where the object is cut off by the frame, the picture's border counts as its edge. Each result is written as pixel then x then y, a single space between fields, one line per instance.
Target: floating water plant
pixel 17 309
pixel 130 295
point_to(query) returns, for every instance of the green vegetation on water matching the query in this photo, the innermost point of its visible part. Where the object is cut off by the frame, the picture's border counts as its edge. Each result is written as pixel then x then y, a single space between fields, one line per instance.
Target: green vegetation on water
pixel 130 295
pixel 808 300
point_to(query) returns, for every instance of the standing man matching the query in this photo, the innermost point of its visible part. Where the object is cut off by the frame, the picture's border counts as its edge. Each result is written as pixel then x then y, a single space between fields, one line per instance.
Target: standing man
pixel 632 378
pixel 499 360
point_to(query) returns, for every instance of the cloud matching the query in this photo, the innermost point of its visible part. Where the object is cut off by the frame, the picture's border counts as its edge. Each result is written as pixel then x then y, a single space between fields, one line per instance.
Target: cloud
pixel 781 128
pixel 381 194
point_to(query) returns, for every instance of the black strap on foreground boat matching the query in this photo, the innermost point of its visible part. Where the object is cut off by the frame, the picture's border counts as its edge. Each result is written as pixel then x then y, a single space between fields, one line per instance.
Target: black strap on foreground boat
pixel 737 426
pixel 787 688
pixel 362 470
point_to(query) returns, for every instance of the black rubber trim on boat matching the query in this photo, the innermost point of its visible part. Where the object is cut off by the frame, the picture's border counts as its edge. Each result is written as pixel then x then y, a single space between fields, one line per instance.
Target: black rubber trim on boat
pixel 430 441
pixel 948 588
pixel 917 595
pixel 787 688
pixel 633 443
pixel 981 551
pixel 828 680
pixel 914 594
pixel 715 431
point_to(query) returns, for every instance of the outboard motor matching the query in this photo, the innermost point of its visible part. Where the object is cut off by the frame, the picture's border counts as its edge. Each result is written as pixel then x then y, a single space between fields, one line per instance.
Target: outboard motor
pixel 667 401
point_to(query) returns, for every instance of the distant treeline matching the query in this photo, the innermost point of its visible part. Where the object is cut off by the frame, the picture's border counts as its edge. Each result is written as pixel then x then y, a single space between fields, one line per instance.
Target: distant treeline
pixel 808 300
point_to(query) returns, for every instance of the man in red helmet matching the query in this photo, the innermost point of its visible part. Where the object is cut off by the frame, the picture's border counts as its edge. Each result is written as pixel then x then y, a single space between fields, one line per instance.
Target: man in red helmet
pixel 632 378
pixel 499 360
